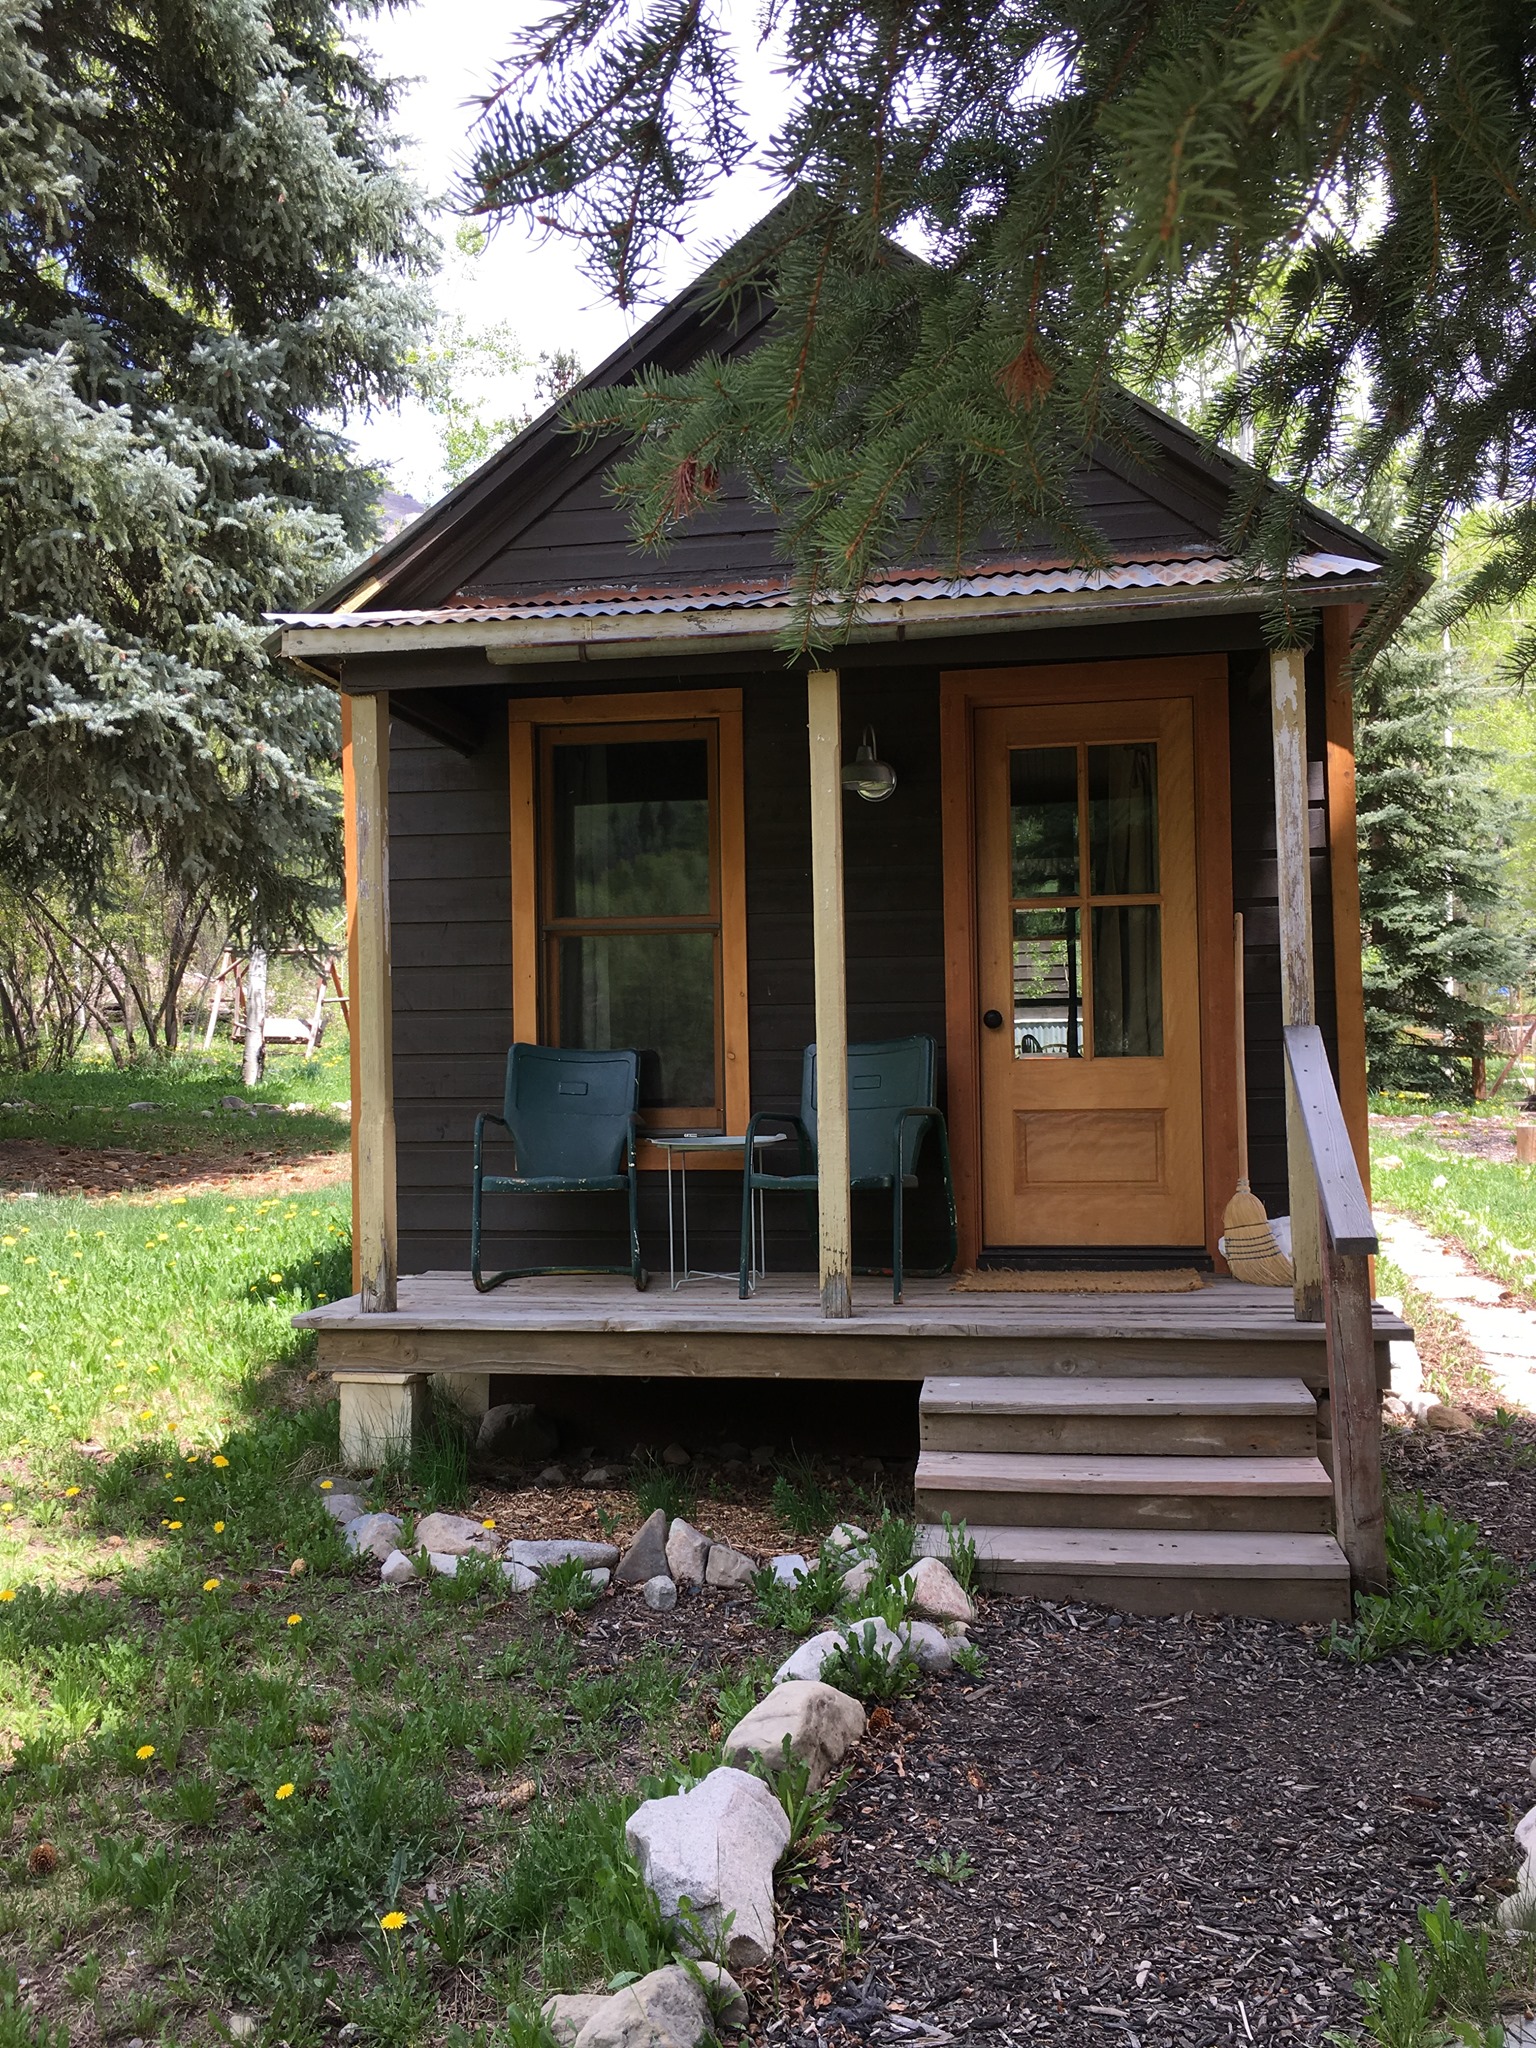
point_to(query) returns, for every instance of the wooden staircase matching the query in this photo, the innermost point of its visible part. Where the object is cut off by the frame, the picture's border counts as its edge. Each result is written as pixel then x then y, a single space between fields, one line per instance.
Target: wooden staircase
pixel 1158 1495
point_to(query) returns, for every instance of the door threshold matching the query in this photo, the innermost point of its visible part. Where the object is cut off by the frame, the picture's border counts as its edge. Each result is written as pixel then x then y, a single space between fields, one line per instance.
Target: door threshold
pixel 1093 1258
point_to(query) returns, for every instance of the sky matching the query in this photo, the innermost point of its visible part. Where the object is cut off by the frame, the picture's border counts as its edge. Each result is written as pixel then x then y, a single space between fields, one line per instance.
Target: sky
pixel 447 48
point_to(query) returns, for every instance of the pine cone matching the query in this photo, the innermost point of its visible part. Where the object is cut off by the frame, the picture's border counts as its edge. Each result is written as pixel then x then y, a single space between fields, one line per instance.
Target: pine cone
pixel 44 1860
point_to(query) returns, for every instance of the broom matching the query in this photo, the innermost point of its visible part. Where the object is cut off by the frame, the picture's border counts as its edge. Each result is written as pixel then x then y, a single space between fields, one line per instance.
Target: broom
pixel 1252 1253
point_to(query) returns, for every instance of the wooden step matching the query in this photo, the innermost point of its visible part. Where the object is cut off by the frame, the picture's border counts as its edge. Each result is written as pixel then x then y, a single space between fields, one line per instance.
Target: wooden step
pixel 1189 1417
pixel 990 1488
pixel 1287 1577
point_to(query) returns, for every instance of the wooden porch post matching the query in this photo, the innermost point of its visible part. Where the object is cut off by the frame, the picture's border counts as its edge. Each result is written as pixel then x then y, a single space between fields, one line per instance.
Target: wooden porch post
pixel 1288 712
pixel 835 1233
pixel 1339 623
pixel 372 1018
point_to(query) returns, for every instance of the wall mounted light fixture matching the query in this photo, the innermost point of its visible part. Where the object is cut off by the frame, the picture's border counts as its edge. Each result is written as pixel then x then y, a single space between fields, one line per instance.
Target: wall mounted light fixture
pixel 866 775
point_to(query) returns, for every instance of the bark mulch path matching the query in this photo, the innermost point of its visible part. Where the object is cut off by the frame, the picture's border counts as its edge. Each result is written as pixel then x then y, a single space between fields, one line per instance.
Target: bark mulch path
pixel 1478 1137
pixel 35 1166
pixel 1177 1832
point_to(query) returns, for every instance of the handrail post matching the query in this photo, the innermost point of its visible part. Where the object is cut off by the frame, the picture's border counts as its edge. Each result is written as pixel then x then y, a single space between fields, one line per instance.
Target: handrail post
pixel 1359 1511
pixel 1293 867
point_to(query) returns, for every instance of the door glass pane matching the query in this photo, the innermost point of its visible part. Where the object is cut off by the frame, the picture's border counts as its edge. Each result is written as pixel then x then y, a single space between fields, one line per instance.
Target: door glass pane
pixel 1128 982
pixel 1043 820
pixel 1122 820
pixel 1047 984
pixel 654 991
pixel 631 830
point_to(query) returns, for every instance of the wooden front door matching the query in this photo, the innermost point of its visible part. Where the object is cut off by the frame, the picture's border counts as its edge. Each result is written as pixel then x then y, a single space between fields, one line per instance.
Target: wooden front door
pixel 1088 952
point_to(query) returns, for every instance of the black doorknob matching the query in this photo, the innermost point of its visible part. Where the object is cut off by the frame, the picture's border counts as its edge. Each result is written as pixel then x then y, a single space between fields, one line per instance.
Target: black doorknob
pixel 993 1019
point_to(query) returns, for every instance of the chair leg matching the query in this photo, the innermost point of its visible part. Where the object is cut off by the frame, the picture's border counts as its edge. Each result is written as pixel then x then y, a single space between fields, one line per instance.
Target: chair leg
pixel 637 1271
pixel 898 1217
pixel 744 1278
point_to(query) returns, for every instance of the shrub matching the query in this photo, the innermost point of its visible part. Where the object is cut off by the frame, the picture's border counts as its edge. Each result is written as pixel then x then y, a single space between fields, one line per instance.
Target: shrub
pixel 1447 1589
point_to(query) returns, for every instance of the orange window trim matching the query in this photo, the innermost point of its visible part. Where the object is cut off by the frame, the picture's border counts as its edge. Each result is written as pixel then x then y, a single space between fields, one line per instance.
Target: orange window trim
pixel 535 722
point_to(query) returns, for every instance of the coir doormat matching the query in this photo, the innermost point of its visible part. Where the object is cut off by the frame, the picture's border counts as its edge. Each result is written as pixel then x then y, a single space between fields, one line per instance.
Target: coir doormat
pixel 1176 1280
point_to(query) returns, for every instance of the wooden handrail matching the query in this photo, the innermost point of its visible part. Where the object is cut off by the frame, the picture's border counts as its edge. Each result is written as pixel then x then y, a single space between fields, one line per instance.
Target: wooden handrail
pixel 1346 1213
pixel 1348 1235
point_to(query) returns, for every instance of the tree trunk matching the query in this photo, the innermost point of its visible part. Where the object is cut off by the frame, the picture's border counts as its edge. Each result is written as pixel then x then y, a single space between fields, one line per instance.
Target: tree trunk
pixel 255 1018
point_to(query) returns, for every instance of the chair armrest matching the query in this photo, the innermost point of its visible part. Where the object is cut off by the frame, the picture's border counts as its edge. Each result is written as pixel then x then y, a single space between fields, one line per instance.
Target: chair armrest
pixel 774 1116
pixel 636 1134
pixel 924 1113
pixel 486 1116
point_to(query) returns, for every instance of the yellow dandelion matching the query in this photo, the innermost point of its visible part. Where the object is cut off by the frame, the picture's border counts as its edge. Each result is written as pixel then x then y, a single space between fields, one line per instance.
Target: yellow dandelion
pixel 220 1460
pixel 326 1485
pixel 192 1457
pixel 7 1240
pixel 211 1585
pixel 392 1922
pixel 7 1592
pixel 4 1289
pixel 171 1425
pixel 173 1525
pixel 70 1492
pixel 30 1259
pixel 275 1278
pixel 146 1415
pixel 180 1501
pixel 144 1752
pixel 218 1528
pixel 283 1792
pixel 119 1390
pixel 294 1620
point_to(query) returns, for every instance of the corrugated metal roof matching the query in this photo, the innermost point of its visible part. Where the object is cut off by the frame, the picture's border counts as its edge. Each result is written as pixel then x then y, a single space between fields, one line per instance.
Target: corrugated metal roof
pixel 902 587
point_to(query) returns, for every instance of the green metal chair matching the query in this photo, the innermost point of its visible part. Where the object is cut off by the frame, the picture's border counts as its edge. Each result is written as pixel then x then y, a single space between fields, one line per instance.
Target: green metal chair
pixel 572 1116
pixel 891 1086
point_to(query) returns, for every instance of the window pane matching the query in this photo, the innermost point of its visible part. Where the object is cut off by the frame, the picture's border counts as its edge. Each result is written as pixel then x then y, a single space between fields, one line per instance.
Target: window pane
pixel 1128 982
pixel 653 991
pixel 1043 820
pixel 1122 820
pixel 632 829
pixel 1047 984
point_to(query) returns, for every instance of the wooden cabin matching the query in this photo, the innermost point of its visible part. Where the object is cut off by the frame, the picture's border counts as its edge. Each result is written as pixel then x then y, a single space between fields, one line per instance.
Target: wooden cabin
pixel 1094 769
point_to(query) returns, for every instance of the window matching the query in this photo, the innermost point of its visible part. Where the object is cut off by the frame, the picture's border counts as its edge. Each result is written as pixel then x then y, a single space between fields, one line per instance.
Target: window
pixel 628 897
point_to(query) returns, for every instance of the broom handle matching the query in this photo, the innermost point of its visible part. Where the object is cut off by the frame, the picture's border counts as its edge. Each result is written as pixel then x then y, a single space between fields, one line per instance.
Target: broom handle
pixel 1242 1052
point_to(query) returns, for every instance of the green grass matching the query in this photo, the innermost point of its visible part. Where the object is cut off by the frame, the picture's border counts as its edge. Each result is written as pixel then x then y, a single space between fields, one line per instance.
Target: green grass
pixel 1488 1206
pixel 1447 1589
pixel 1446 1989
pixel 87 1104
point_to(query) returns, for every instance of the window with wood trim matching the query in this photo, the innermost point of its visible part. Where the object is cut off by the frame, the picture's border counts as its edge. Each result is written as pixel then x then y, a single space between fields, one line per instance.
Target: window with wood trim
pixel 628 894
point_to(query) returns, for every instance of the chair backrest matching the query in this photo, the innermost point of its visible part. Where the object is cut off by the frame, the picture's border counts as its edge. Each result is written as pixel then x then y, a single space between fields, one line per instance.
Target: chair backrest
pixel 569 1110
pixel 884 1078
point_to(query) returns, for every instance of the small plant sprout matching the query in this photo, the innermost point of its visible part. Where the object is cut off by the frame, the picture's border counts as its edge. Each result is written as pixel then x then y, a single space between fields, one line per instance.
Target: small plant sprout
pixel 953 1865
pixel 563 1589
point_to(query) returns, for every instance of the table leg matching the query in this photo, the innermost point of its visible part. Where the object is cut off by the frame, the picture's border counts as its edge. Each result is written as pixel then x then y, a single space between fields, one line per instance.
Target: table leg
pixel 671 1246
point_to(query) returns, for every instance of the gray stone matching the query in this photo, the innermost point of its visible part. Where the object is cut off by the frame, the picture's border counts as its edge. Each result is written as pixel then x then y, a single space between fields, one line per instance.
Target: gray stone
pixel 599 1579
pixel 935 1594
pixel 373 1536
pixel 146 1105
pixel 445 1562
pixel 820 1723
pixel 667 2009
pixel 568 2012
pixel 805 1664
pixel 518 1577
pixel 813 1656
pixel 455 1536
pixel 687 1553
pixel 715 1845
pixel 729 1568
pixel 660 1594
pixel 554 1475
pixel 789 1568
pixel 932 1650
pixel 231 1102
pixel 516 1432
pixel 676 1457
pixel 763 1456
pixel 858 1579
pixel 727 2000
pixel 646 1556
pixel 605 1475
pixel 846 1536
pixel 398 1570
pixel 540 1553
pixel 342 1507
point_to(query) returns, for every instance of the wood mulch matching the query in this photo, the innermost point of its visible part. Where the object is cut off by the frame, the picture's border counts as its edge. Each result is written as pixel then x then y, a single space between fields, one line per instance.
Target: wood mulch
pixel 1478 1137
pixel 1170 1832
pixel 35 1166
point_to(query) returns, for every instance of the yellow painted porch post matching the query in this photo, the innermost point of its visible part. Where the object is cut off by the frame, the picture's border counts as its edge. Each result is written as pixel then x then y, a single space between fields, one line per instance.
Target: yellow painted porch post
pixel 1293 864
pixel 372 1007
pixel 835 1233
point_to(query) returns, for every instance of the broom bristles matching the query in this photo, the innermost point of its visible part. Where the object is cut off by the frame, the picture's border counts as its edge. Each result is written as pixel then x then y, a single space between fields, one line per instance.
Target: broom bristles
pixel 1251 1252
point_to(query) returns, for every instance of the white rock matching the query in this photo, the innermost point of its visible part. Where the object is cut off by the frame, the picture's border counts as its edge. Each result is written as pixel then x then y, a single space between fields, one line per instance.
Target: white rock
pixel 812 1656
pixel 646 1556
pixel 568 2012
pixel 821 1724
pixel 398 1570
pixel 599 1579
pixel 935 1594
pixel 728 1568
pixel 687 1553
pixel 846 1536
pixel 667 2009
pixel 715 1845
pixel 932 1650
pixel 373 1535
pixel 342 1507
pixel 455 1536
pixel 789 1567
pixel 858 1579
pixel 805 1664
pixel 518 1577
pixel 540 1555
pixel 660 1594
pixel 445 1562
pixel 1518 1911
pixel 243 2026
pixel 727 1999
pixel 604 1475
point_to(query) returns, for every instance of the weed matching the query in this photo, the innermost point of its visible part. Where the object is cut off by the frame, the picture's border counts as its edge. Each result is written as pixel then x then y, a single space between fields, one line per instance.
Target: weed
pixel 953 1865
pixel 807 1808
pixel 564 1589
pixel 126 1873
pixel 193 1802
pixel 20 2027
pixel 892 1545
pixel 657 1486
pixel 960 1552
pixel 865 1672
pixel 1447 1589
pixel 518 1731
pixel 968 1658
pixel 799 1605
pixel 84 1980
pixel 1446 1989
pixel 851 1931
pixel 802 1499
pixel 457 1929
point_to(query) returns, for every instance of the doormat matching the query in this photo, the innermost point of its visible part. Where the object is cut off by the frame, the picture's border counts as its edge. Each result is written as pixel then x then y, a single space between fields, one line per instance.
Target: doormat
pixel 1175 1280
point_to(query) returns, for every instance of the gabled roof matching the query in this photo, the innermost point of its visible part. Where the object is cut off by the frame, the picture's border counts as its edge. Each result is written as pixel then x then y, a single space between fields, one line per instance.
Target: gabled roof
pixel 532 550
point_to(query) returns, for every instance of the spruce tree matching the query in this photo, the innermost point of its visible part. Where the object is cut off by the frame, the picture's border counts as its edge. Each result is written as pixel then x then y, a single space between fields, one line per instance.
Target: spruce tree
pixel 1102 191
pixel 206 265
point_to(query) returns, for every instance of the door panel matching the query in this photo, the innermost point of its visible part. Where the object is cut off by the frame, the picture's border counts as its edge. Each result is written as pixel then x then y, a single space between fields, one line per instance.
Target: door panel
pixel 1088 954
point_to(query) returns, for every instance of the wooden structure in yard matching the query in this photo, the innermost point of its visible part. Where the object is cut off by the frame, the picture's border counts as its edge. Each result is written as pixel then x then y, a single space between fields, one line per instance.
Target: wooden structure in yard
pixel 589 803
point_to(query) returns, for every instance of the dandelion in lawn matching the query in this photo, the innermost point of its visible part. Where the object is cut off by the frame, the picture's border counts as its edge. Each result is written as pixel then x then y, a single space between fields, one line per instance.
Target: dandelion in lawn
pixel 119 1390
pixel 144 1752
pixel 146 1415
pixel 220 1460
pixel 172 1425
pixel 326 1485
pixel 180 1501
pixel 173 1525
pixel 70 1492
pixel 7 1240
pixel 283 1792
pixel 3 1288
pixel 30 1259
pixel 275 1278
pixel 294 1620
pixel 7 1592
pixel 218 1528
pixel 211 1585
pixel 392 1922
pixel 489 1524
